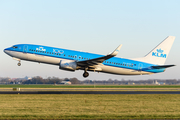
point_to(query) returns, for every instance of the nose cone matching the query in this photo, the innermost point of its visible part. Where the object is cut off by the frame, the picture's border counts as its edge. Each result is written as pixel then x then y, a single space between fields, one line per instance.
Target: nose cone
pixel 5 50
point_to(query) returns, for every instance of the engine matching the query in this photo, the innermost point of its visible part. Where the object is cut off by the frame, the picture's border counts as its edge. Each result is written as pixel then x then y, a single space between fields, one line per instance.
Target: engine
pixel 67 65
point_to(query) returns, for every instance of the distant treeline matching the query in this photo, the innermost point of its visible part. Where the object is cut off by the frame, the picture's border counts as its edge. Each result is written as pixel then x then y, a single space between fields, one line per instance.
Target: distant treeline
pixel 39 80
pixel 56 80
pixel 49 80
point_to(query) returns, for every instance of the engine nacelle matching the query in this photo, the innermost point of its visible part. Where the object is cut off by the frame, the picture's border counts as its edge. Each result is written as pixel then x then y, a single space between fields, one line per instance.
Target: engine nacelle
pixel 67 65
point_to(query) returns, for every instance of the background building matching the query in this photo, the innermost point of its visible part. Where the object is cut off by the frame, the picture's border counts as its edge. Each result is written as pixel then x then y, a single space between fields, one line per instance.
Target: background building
pixel 67 82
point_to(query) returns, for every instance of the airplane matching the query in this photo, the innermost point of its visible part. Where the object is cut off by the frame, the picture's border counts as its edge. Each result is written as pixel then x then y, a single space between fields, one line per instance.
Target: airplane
pixel 71 60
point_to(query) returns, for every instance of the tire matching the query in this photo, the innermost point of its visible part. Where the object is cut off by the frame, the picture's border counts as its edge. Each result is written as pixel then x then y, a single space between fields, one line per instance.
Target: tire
pixel 86 74
pixel 19 64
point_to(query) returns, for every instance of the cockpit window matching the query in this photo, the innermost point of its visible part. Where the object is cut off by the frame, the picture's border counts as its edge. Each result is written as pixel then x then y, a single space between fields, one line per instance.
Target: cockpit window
pixel 14 47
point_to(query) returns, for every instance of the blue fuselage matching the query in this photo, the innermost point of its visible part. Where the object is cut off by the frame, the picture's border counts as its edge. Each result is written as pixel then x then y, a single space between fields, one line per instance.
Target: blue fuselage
pixel 51 55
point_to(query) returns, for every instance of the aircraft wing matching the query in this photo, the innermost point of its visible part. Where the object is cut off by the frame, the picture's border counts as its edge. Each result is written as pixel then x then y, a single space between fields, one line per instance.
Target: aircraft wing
pixel 95 61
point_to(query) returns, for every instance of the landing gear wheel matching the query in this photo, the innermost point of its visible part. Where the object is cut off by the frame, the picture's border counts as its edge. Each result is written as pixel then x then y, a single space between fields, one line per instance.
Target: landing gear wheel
pixel 19 64
pixel 85 74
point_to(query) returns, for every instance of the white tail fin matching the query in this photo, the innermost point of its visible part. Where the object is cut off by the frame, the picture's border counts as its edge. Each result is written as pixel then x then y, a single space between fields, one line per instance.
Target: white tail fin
pixel 160 53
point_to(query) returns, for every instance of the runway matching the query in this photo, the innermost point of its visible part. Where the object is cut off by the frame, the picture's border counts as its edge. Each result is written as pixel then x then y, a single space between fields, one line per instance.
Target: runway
pixel 89 92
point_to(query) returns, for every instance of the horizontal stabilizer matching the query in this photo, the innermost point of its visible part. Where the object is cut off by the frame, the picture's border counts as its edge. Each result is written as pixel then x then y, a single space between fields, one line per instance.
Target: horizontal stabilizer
pixel 162 66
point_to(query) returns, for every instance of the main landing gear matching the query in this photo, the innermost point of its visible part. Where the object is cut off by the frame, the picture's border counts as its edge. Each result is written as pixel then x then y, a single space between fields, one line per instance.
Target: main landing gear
pixel 85 74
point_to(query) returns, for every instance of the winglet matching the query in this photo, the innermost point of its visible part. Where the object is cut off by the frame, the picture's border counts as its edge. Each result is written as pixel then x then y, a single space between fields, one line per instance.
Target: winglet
pixel 116 51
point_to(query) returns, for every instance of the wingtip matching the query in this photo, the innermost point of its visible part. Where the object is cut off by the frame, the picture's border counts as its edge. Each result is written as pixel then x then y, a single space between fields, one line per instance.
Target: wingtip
pixel 172 37
pixel 119 46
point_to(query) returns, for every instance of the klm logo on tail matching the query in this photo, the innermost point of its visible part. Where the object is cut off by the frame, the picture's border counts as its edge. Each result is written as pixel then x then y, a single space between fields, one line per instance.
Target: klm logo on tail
pixel 159 53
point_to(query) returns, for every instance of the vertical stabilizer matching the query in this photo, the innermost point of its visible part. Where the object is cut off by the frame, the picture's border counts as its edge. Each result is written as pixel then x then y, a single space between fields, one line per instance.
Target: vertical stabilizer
pixel 160 53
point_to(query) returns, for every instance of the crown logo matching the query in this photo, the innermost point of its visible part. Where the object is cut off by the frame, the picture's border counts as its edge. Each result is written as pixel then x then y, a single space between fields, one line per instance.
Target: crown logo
pixel 160 51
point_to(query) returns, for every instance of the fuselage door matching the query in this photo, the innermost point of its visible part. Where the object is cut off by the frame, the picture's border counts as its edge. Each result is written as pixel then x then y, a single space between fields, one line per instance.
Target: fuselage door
pixel 25 48
pixel 140 66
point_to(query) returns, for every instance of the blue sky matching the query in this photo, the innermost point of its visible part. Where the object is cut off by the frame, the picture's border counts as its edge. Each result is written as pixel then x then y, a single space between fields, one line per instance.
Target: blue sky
pixel 96 26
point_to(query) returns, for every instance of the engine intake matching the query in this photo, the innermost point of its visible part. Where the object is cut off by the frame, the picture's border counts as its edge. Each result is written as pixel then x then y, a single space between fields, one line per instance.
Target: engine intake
pixel 67 65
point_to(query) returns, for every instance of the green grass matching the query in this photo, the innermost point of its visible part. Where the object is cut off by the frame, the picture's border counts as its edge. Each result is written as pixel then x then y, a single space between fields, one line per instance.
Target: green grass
pixel 90 86
pixel 89 106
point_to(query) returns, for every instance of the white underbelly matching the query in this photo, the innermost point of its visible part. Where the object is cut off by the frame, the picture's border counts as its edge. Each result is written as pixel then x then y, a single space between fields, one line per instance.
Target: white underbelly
pixel 37 58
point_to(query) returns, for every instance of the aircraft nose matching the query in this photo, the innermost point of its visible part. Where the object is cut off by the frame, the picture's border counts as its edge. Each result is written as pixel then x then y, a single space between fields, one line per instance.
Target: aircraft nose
pixel 6 50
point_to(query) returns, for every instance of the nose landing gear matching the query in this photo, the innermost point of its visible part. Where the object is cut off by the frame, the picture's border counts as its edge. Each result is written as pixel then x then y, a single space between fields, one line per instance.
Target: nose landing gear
pixel 19 64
